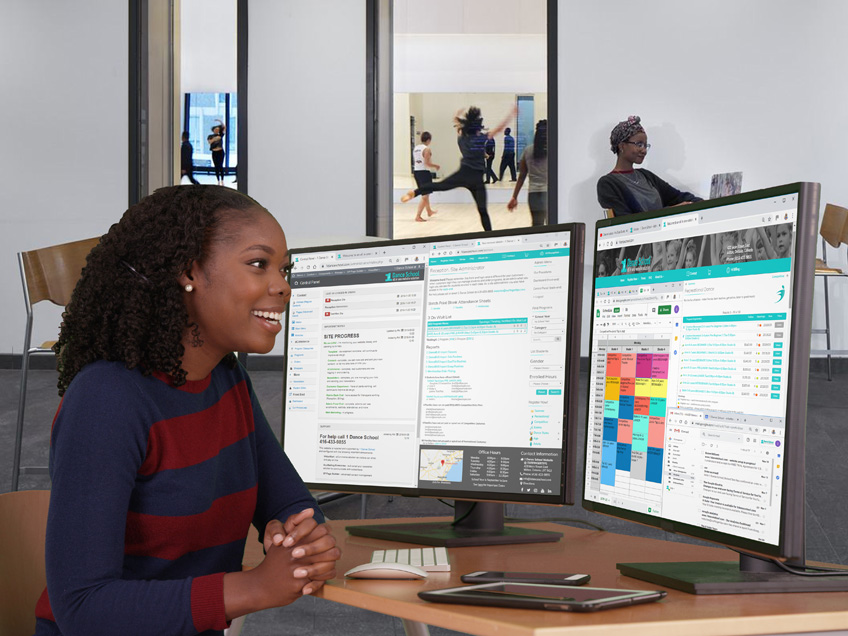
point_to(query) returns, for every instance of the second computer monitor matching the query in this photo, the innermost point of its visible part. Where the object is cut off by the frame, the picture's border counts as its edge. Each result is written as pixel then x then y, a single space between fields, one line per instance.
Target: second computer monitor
pixel 698 382
pixel 440 367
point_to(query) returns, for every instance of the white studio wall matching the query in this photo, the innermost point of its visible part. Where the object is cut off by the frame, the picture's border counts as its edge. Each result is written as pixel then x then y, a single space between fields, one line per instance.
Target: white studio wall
pixel 208 57
pixel 307 116
pixel 754 86
pixel 470 63
pixel 306 136
pixel 64 75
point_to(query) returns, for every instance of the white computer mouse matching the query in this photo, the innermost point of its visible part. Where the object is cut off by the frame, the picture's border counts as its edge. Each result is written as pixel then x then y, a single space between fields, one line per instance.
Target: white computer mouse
pixel 386 571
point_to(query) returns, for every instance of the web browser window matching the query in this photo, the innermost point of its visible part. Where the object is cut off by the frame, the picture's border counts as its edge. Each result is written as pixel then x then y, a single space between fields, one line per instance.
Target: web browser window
pixel 431 364
pixel 690 345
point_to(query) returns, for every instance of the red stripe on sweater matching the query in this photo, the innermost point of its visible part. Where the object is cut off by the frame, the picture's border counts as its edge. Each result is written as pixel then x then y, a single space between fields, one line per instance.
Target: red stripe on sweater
pixel 209 430
pixel 207 602
pixel 226 520
pixel 42 607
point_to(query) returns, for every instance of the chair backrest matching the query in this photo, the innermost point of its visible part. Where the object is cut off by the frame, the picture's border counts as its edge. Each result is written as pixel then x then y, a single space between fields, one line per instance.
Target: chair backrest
pixel 834 226
pixel 609 213
pixel 52 272
pixel 23 525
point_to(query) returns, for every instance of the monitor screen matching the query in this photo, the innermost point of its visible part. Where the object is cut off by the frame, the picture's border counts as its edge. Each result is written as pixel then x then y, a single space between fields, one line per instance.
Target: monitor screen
pixel 700 338
pixel 441 367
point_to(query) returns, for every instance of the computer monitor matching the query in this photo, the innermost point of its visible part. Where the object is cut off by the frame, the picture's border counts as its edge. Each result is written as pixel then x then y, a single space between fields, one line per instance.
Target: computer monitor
pixel 700 342
pixel 438 367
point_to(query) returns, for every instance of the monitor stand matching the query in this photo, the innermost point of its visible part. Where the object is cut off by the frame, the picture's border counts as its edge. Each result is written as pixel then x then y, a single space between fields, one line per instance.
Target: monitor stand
pixel 475 523
pixel 749 575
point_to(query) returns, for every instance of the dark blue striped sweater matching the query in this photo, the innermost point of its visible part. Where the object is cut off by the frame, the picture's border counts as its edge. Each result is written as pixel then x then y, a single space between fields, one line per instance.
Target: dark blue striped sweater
pixel 153 490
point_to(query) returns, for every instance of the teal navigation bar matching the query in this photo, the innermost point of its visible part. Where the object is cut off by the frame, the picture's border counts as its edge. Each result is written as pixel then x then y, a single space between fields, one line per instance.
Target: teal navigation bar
pixel 774 266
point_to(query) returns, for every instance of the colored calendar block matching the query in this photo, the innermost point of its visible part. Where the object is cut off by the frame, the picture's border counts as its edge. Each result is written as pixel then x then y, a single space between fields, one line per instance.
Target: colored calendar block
pixel 625 431
pixel 659 366
pixel 613 365
pixel 640 434
pixel 642 405
pixel 622 457
pixel 644 363
pixel 627 386
pixel 612 388
pixel 628 365
pixel 625 407
pixel 656 432
pixel 653 473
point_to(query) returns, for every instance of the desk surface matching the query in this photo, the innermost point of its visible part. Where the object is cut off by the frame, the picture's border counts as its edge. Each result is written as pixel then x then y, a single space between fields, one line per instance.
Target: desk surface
pixel 590 552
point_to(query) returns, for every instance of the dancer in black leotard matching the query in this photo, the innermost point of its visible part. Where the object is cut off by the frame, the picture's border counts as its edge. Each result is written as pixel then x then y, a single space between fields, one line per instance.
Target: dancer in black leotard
pixel 216 146
pixel 472 166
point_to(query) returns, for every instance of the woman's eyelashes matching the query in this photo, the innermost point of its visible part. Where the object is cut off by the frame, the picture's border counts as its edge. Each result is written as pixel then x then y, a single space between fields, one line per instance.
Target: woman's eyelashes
pixel 261 263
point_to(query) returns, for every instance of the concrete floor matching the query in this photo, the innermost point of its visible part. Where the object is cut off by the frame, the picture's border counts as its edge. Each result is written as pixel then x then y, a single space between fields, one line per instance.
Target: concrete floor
pixel 827 485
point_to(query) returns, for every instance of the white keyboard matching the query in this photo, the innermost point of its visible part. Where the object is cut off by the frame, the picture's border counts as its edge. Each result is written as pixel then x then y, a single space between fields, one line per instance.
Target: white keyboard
pixel 428 559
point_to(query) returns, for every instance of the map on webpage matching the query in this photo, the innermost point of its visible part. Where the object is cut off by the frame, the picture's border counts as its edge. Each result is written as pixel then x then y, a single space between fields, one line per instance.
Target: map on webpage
pixel 441 465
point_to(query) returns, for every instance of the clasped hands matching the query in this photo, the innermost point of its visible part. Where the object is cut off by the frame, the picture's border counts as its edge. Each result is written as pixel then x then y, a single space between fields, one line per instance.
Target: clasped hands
pixel 300 555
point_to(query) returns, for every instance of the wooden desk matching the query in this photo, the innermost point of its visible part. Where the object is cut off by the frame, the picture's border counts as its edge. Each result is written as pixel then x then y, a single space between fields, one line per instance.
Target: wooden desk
pixel 590 552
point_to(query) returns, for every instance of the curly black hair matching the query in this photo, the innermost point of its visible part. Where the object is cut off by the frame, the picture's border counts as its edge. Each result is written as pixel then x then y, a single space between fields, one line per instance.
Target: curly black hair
pixel 472 123
pixel 127 305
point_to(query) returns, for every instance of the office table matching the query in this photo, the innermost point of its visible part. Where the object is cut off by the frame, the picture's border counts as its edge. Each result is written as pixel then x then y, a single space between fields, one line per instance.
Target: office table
pixel 585 551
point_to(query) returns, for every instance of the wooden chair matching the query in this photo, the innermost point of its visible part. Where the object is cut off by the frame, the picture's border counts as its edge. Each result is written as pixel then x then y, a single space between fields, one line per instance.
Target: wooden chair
pixel 23 527
pixel 834 231
pixel 23 524
pixel 49 273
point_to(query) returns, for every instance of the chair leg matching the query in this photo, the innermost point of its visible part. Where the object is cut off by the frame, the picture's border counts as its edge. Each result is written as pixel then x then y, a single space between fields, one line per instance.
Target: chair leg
pixel 19 427
pixel 827 329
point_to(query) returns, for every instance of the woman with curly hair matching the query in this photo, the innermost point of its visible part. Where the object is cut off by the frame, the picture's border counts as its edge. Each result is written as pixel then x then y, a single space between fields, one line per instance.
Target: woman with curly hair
pixel 626 190
pixel 160 456
pixel 472 165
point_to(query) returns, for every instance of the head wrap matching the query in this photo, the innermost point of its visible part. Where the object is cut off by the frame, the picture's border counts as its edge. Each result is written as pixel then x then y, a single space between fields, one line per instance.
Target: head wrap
pixel 624 130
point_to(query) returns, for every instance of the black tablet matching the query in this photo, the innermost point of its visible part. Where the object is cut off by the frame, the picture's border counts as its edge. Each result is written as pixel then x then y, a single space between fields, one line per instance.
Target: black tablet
pixel 536 596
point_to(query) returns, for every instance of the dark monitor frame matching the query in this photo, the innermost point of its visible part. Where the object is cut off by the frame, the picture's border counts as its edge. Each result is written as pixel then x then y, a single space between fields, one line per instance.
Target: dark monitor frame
pixel 487 516
pixel 791 546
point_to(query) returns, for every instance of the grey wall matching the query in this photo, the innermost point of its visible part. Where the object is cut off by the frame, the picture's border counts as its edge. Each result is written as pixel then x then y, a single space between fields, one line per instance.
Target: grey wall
pixel 63 160
pixel 756 86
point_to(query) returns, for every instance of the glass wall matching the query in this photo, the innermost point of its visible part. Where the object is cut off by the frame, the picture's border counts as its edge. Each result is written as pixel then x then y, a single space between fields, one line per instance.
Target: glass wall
pixel 448 56
pixel 203 111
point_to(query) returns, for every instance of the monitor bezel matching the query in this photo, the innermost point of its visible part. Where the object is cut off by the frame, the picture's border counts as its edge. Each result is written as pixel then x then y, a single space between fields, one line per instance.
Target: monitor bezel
pixel 790 544
pixel 568 472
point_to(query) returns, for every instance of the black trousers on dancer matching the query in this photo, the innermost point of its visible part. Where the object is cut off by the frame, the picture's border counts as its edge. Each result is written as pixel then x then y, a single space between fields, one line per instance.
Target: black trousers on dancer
pixel 490 174
pixel 538 202
pixel 471 180
pixel 189 172
pixel 218 160
pixel 507 161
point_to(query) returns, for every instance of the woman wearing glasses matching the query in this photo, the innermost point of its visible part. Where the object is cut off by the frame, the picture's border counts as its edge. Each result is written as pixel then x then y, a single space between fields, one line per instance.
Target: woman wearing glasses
pixel 627 190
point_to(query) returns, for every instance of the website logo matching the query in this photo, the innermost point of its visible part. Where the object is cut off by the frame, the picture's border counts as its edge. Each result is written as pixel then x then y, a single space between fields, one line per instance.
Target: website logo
pixel 780 293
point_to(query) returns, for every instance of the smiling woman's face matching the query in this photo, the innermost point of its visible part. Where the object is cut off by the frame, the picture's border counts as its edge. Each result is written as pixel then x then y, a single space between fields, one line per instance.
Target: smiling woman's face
pixel 240 291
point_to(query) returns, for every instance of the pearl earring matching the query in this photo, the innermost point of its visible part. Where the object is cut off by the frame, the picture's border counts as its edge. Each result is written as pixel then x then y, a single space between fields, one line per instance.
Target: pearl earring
pixel 189 288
